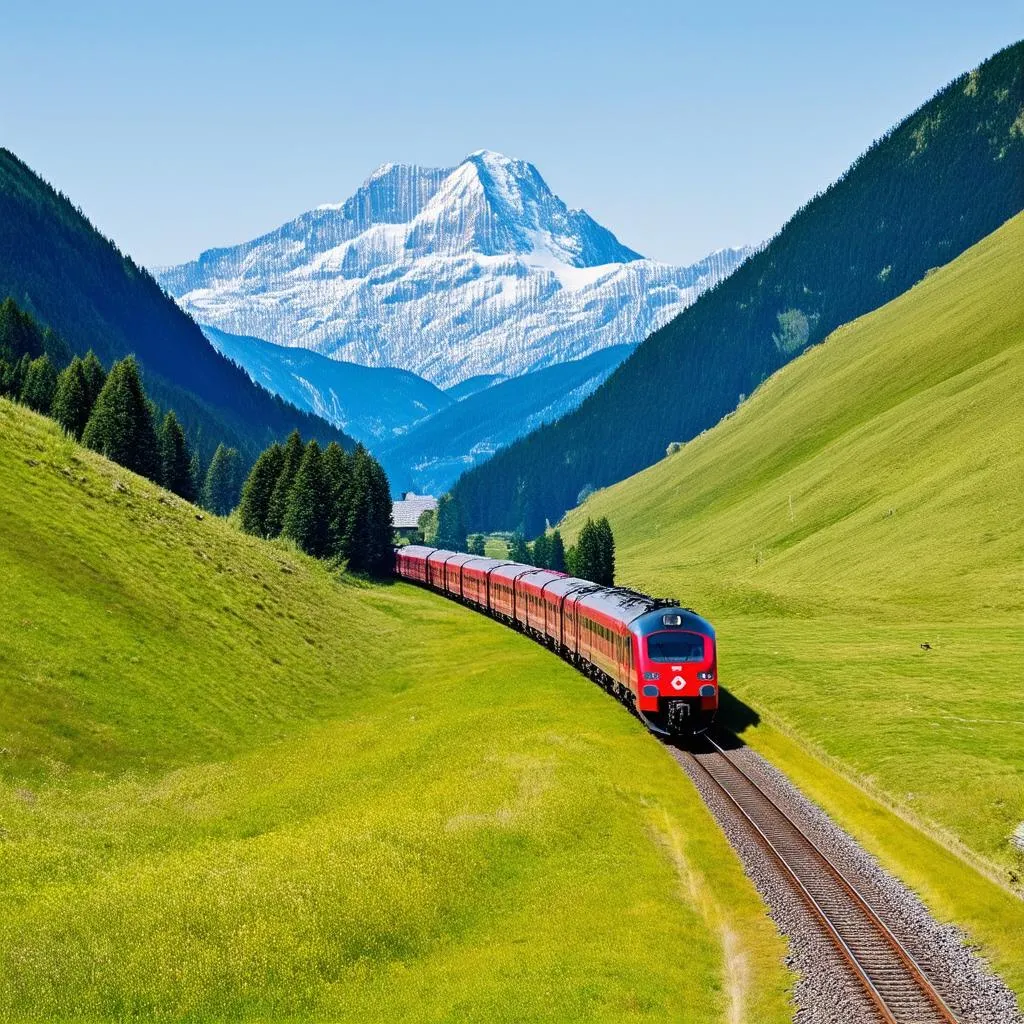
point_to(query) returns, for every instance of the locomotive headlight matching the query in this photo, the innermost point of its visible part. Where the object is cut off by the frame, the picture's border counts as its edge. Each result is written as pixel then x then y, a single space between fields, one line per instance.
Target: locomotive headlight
pixel 705 675
pixel 652 675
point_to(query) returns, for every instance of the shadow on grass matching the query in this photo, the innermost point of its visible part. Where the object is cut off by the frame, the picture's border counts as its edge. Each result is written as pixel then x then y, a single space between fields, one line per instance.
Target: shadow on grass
pixel 733 718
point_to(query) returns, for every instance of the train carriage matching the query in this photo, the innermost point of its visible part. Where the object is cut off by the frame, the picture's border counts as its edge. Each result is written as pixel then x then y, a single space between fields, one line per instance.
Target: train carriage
pixel 453 567
pixel 476 580
pixel 436 561
pixel 659 658
pixel 503 589
pixel 411 562
pixel 531 605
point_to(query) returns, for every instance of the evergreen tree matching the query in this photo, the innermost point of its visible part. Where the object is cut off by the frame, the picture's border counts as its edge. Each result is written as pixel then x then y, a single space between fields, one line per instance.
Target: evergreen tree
pixel 121 424
pixel 382 551
pixel 95 377
pixel 572 563
pixel 556 553
pixel 338 469
pixel 307 517
pixel 195 469
pixel 369 533
pixel 223 481
pixel 451 531
pixel 542 552
pixel 40 384
pixel 6 372
pixel 19 333
pixel 175 459
pixel 71 407
pixel 254 509
pixel 477 544
pixel 587 553
pixel 18 373
pixel 519 550
pixel 605 553
pixel 293 452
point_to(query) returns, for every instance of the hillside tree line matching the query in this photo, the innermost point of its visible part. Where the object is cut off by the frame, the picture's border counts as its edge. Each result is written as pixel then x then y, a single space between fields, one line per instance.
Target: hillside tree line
pixel 331 503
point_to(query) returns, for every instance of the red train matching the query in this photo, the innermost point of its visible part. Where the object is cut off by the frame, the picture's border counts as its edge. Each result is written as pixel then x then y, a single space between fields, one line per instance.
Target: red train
pixel 659 659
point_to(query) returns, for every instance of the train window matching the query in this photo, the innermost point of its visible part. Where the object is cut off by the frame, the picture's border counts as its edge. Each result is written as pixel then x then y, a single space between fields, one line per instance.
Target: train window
pixel 675 647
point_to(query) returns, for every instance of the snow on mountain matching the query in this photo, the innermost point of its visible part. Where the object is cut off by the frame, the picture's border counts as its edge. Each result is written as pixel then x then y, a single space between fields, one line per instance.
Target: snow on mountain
pixel 448 272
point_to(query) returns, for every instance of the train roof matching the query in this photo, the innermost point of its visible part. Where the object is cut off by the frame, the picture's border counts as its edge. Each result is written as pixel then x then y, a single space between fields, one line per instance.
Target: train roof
pixel 440 555
pixel 540 578
pixel 654 620
pixel 618 603
pixel 415 550
pixel 510 570
pixel 565 585
pixel 481 563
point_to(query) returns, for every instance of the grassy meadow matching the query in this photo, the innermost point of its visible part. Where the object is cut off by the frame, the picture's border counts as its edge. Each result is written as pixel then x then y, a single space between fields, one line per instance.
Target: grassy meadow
pixel 866 501
pixel 236 786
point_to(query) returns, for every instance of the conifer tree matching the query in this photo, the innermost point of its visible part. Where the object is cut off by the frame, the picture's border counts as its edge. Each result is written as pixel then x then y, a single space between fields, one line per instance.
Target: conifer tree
pixel 587 553
pixel 572 563
pixel 338 470
pixel 358 542
pixel 556 553
pixel 307 517
pixel 195 469
pixel 19 333
pixel 369 534
pixel 18 373
pixel 95 377
pixel 254 509
pixel 477 544
pixel 175 459
pixel 382 552
pixel 542 551
pixel 40 384
pixel 293 452
pixel 223 481
pixel 519 550
pixel 121 424
pixel 451 530
pixel 605 553
pixel 71 406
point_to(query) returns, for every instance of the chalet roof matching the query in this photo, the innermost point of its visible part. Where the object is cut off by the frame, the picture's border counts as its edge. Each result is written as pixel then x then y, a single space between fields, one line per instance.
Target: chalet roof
pixel 405 514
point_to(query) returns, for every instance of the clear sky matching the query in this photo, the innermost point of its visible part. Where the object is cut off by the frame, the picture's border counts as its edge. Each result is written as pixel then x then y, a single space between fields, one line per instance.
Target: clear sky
pixel 683 127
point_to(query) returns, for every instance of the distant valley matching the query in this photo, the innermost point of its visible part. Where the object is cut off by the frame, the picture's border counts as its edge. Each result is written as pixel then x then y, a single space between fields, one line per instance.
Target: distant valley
pixel 425 287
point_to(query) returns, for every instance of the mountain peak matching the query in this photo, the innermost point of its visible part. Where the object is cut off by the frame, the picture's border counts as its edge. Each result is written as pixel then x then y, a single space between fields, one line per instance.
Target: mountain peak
pixel 447 271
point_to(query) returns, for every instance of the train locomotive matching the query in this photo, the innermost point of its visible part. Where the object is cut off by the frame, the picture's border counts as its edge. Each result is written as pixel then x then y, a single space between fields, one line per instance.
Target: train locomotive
pixel 659 659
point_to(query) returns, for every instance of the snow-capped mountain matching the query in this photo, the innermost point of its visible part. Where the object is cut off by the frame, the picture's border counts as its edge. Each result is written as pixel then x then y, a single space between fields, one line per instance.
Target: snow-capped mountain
pixel 447 272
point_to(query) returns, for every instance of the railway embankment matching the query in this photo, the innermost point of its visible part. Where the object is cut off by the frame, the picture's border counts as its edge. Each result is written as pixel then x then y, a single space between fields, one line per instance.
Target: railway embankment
pixel 853 531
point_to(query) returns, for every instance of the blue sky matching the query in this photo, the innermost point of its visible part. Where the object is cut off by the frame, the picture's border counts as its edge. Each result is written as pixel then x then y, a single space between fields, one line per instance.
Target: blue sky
pixel 683 127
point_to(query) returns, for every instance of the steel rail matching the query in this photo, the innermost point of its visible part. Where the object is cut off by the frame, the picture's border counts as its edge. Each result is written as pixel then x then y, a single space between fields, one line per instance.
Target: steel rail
pixel 883 992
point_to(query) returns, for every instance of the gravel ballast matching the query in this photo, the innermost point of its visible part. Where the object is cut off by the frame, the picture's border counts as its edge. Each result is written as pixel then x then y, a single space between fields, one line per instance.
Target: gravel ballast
pixel 825 992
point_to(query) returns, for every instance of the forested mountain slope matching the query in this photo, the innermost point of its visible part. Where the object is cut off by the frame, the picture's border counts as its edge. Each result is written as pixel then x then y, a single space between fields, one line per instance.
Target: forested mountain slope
pixel 56 265
pixel 236 785
pixel 856 533
pixel 945 177
pixel 432 455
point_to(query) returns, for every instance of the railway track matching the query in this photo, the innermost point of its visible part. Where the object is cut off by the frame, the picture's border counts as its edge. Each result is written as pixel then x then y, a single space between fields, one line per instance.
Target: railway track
pixel 889 975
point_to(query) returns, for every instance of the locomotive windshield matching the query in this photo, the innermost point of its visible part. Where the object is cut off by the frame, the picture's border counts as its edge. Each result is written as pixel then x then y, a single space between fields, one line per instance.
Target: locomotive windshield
pixel 675 647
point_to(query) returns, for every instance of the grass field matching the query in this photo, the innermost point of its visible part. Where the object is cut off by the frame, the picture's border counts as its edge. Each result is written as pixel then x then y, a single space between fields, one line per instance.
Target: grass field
pixel 236 787
pixel 867 500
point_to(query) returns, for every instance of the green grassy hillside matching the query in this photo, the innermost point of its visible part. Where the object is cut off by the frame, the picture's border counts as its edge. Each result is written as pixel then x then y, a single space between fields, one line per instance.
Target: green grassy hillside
pixel 867 500
pixel 235 787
